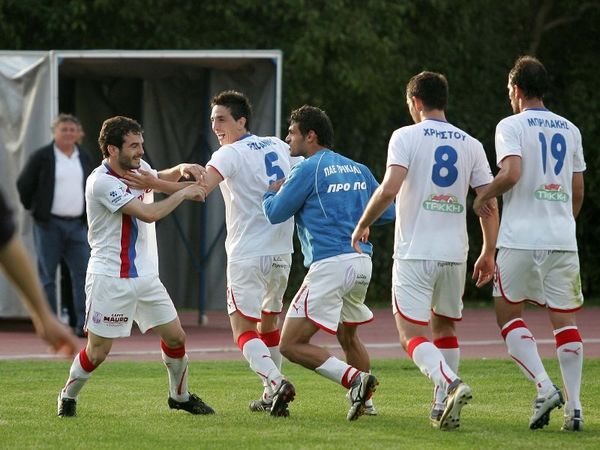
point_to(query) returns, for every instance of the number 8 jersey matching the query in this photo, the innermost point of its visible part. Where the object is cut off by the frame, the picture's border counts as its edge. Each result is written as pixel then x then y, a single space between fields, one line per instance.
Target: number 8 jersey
pixel 537 213
pixel 442 161
pixel 247 167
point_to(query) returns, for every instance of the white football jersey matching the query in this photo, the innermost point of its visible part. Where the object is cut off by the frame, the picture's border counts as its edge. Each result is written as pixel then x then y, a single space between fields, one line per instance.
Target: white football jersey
pixel 121 245
pixel 442 161
pixel 537 213
pixel 248 166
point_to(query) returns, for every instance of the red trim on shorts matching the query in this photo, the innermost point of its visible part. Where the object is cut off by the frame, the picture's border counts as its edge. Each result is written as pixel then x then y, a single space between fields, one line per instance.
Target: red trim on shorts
pixel 175 353
pixel 408 319
pixel 567 336
pixel 519 323
pixel 513 302
pixel 418 322
pixel 455 319
pixel 446 342
pixel 250 318
pixel 245 337
pixel 356 324
pixel 216 170
pixel 85 361
pixel 414 343
pixel 270 313
pixel 271 339
pixel 565 310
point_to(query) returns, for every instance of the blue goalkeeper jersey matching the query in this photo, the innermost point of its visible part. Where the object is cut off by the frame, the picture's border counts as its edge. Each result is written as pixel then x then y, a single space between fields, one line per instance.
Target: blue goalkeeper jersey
pixel 327 194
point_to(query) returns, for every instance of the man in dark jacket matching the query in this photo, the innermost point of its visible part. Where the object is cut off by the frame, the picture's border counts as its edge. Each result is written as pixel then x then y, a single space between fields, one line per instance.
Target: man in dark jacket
pixel 51 185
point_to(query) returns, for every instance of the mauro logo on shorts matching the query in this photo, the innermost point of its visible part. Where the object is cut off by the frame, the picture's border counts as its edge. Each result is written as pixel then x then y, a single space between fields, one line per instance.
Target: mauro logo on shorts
pixel 115 320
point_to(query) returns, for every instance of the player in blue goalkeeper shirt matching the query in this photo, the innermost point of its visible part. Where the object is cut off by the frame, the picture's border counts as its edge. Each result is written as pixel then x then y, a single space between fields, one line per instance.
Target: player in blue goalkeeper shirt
pixel 326 194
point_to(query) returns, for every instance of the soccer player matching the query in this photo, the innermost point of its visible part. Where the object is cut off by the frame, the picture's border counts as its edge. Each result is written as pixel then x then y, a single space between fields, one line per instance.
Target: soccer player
pixel 541 163
pixel 326 193
pixel 430 166
pixel 258 254
pixel 122 282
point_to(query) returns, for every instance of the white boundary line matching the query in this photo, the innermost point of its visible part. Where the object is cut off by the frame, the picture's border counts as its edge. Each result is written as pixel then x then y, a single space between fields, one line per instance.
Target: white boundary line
pixel 212 350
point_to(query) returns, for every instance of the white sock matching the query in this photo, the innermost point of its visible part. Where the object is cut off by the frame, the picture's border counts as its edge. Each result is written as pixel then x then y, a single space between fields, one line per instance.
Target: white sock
pixel 338 371
pixel 569 349
pixel 452 356
pixel 522 348
pixel 259 357
pixel 431 362
pixel 276 356
pixel 178 376
pixel 78 376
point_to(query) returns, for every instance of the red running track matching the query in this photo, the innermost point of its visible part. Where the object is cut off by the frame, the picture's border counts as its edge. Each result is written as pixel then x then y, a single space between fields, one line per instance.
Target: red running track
pixel 477 332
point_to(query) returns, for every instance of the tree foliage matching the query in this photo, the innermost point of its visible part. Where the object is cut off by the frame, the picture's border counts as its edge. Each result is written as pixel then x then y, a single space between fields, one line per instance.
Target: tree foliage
pixel 353 59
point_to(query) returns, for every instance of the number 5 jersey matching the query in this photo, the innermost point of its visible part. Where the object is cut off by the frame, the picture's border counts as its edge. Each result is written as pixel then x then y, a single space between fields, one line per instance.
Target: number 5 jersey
pixel 247 167
pixel 537 213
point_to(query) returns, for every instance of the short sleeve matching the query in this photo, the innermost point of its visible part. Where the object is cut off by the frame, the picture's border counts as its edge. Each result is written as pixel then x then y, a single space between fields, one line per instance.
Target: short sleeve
pixel 225 161
pixel 481 173
pixel 111 192
pixel 398 151
pixel 508 140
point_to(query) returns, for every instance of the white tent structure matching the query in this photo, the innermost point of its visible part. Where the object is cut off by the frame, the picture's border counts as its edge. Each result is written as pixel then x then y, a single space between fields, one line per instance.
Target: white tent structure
pixel 168 92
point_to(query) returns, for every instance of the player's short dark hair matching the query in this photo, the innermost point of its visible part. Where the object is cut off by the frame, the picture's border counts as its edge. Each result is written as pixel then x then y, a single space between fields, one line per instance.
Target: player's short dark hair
pixel 114 130
pixel 312 118
pixel 431 88
pixel 237 103
pixel 530 75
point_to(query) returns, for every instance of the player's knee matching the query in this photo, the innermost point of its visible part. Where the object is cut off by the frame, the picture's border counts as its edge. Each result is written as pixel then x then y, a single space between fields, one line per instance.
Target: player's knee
pixel 175 341
pixel 287 349
pixel 97 355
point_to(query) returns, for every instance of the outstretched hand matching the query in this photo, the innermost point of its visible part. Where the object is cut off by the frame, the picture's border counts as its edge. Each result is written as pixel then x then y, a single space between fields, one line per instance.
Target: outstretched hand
pixel 192 171
pixel 139 179
pixel 60 338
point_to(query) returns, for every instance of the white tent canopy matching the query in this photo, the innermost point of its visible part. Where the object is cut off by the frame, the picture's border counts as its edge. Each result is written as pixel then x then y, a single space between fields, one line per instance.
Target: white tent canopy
pixel 168 92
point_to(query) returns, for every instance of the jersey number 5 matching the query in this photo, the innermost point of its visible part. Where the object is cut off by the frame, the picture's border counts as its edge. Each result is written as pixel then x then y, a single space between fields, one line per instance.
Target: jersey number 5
pixel 272 168
pixel 444 172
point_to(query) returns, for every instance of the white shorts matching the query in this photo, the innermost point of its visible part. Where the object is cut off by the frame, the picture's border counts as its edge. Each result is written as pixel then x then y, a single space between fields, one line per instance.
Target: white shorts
pixel 544 277
pixel 420 287
pixel 334 291
pixel 256 285
pixel 112 304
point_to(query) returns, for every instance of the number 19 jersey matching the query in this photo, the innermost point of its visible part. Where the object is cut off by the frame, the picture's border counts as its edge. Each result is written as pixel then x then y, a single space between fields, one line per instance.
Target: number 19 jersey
pixel 537 213
pixel 442 161
pixel 248 166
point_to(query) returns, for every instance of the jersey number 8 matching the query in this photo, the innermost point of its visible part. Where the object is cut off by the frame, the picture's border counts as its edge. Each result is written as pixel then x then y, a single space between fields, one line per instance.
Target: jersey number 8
pixel 444 172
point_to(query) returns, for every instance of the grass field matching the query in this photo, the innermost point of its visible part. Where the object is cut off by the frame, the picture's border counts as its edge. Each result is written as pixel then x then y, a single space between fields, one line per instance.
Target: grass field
pixel 124 406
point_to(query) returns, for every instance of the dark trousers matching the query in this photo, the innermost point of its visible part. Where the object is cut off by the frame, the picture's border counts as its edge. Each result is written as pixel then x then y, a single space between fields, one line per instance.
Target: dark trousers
pixel 63 239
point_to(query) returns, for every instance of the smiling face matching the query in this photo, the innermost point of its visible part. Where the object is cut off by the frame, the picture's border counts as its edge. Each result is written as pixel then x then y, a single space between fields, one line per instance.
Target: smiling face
pixel 226 128
pixel 130 155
